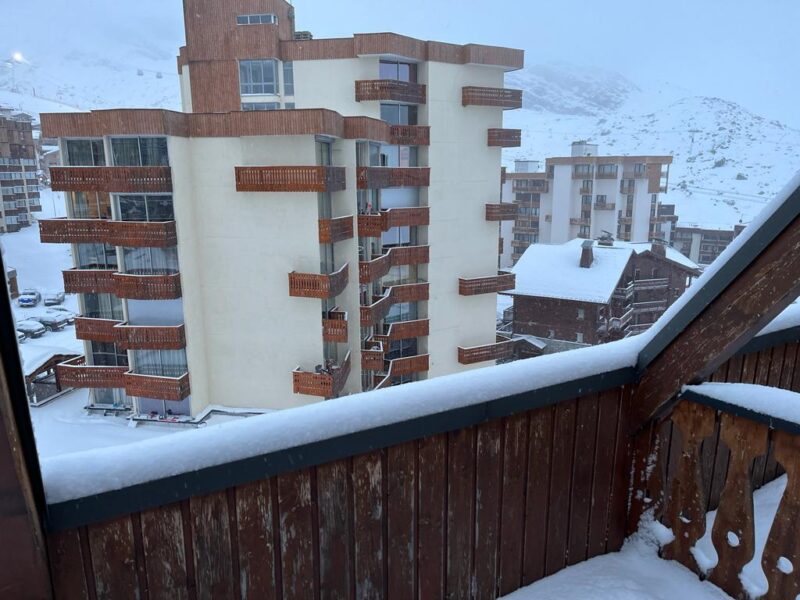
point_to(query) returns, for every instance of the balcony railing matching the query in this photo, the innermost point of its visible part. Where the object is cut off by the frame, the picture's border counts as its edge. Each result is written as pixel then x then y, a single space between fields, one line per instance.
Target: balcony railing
pixel 334 326
pixel 377 178
pixel 372 356
pixel 97 330
pixel 157 387
pixel 522 186
pixel 377 311
pixel 606 174
pixel 131 234
pixel 147 287
pixel 585 191
pixel 375 224
pixel 632 174
pixel 404 330
pixel 369 271
pixel 76 373
pixel 407 365
pixel 150 337
pixel 335 230
pixel 410 135
pixel 505 138
pixel 581 221
pixel 505 211
pixel 486 285
pixel 89 281
pixel 605 206
pixel 390 89
pixel 650 284
pixel 290 179
pixel 111 179
pixel 582 174
pixel 488 96
pixel 411 292
pixel 651 306
pixel 626 189
pixel 311 285
pixel 475 354
pixel 327 383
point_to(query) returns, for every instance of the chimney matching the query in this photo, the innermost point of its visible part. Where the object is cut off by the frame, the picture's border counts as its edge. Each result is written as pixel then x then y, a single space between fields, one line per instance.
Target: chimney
pixel 587 255
pixel 659 250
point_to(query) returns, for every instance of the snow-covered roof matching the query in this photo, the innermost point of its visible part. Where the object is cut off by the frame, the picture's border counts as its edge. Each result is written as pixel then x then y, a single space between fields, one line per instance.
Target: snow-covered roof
pixel 554 271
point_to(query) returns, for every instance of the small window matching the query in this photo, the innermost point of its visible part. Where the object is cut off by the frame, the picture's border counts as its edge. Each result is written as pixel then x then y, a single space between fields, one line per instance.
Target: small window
pixel 608 169
pixel 257 77
pixel 581 314
pixel 579 338
pixel 601 198
pixel 288 78
pixel 251 106
pixel 289 105
pixel 260 19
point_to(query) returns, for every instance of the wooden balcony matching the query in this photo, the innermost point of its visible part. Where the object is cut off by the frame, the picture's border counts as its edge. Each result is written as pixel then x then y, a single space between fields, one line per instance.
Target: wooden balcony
pixel 390 89
pixel 378 178
pixel 290 179
pixel 605 206
pixel 404 330
pixel 147 287
pixel 650 307
pixel 325 384
pixel 580 222
pixel 374 313
pixel 505 138
pixel 372 356
pixel 76 373
pixel 311 285
pixel 89 281
pixel 627 189
pixel 408 365
pixel 410 135
pixel 172 389
pixel 486 285
pixel 530 186
pixel 650 284
pixel 505 211
pixel 585 191
pixel 475 354
pixel 625 220
pixel 606 174
pixel 375 224
pixel 111 179
pixel 334 326
pixel 335 230
pixel 580 174
pixel 633 174
pixel 131 234
pixel 150 337
pixel 488 96
pixel 373 270
pixel 97 330
pixel 411 292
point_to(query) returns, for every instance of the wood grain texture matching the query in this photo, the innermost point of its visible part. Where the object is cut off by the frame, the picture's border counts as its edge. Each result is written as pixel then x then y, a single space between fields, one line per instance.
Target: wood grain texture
pixel 560 487
pixel 256 540
pixel 460 512
pixel 67 565
pixel 537 494
pixel 432 516
pixel 335 529
pixel 296 534
pixel 112 551
pixel 368 525
pixel 603 472
pixel 401 520
pixel 583 474
pixel 211 539
pixel 488 492
pixel 512 510
pixel 164 553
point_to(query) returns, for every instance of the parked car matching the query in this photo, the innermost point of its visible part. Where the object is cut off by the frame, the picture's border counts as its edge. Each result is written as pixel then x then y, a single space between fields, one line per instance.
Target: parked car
pixel 31 328
pixel 27 300
pixel 53 298
pixel 52 321
pixel 33 292
pixel 21 337
pixel 63 311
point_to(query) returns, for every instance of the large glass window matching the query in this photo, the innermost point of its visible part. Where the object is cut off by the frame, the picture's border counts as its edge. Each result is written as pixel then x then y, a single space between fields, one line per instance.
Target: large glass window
pixel 288 78
pixel 257 77
pixel 89 205
pixel 399 114
pixel 399 71
pixel 140 152
pixel 146 208
pixel 85 153
pixel 160 363
pixel 102 306
pixel 150 261
pixel 106 354
pixel 96 256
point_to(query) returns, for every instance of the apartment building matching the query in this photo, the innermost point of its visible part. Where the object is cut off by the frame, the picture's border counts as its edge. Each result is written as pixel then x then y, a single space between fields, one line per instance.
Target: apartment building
pixel 11 282
pixel 586 196
pixel 319 220
pixel 594 291
pixel 702 245
pixel 19 182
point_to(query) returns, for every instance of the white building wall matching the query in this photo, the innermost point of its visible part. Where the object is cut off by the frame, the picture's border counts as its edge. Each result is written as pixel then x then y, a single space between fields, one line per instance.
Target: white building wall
pixel 331 84
pixel 186 89
pixel 506 228
pixel 562 191
pixel 640 225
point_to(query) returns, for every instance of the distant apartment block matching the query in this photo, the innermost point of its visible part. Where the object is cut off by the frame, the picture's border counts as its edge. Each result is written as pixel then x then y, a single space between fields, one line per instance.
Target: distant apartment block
pixel 586 196
pixel 19 182
pixel 701 245
pixel 321 218
pixel 587 292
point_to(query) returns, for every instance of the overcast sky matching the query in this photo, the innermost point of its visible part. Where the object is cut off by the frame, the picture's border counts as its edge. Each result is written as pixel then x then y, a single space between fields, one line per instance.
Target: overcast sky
pixel 745 51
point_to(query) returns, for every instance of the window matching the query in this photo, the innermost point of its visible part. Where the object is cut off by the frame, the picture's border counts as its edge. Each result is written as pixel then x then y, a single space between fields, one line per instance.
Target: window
pixel 261 19
pixel 288 78
pixel 399 114
pixel 581 314
pixel 601 199
pixel 248 106
pixel 607 169
pixel 106 354
pixel 583 169
pixel 587 184
pixel 586 199
pixel 85 153
pixel 150 261
pixel 584 232
pixel 96 256
pixel 146 208
pixel 289 105
pixel 160 363
pixel 579 337
pixel 89 205
pixel 258 77
pixel 140 151
pixel 102 306
pixel 639 168
pixel 398 71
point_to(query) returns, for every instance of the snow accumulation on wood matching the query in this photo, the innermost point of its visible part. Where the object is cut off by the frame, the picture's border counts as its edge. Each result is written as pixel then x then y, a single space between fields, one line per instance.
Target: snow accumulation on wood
pixel 81 474
pixel 772 402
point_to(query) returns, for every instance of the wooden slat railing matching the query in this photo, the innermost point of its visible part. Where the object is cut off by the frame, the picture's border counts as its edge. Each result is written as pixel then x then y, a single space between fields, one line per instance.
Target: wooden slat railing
pixel 390 89
pixel 172 389
pixel 132 234
pixel 76 373
pixel 290 179
pixel 373 270
pixel 376 178
pixel 410 135
pixel 335 230
pixel 89 281
pixel 111 179
pixel 150 337
pixel 98 330
pixel 505 138
pixel 374 224
pixel 147 287
pixel 504 211
pixel 486 285
pixel 498 351
pixel 312 285
pixel 488 96
pixel 334 326
pixel 327 384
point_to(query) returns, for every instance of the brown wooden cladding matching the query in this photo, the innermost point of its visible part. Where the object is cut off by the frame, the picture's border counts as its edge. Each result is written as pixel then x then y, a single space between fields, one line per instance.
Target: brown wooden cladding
pixel 390 89
pixel 605 206
pixel 403 330
pixel 373 270
pixel 504 211
pixel 476 354
pixel 486 285
pixel 98 330
pixel 151 337
pixel 334 327
pixel 89 281
pixel 290 179
pixel 312 285
pixel 131 234
pixel 326 384
pixel 374 225
pixel 172 389
pixel 111 179
pixel 372 357
pixel 486 96
pixel 376 178
pixel 335 230
pixel 76 373
pixel 505 138
pixel 147 287
pixel 410 135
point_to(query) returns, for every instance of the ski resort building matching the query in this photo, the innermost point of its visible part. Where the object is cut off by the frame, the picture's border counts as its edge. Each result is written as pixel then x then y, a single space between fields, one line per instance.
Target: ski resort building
pixel 320 219
pixel 586 196
pixel 704 245
pixel 19 182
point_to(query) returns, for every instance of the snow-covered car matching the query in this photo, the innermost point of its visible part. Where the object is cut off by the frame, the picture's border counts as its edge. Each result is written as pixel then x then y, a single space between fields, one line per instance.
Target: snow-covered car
pixel 21 337
pixel 63 311
pixel 26 300
pixel 31 328
pixel 53 298
pixel 52 321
